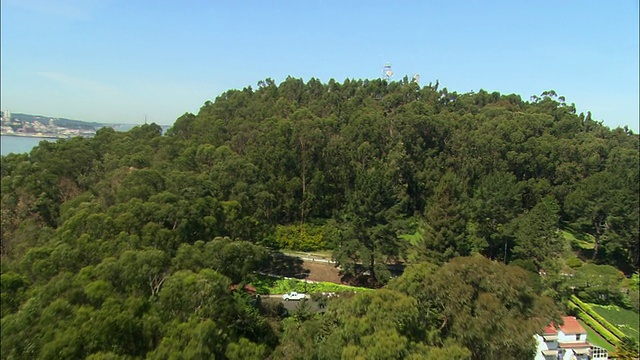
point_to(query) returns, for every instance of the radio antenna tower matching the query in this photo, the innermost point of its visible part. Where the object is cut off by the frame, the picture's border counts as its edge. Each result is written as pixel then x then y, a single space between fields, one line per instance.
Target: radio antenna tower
pixel 386 71
pixel 416 79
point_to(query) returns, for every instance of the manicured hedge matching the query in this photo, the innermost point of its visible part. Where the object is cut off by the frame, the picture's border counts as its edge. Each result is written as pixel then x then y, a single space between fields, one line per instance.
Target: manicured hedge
pixel 582 315
pixel 625 320
pixel 607 325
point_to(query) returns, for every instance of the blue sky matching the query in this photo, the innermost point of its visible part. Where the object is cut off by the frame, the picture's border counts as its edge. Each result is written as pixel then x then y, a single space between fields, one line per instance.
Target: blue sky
pixel 117 61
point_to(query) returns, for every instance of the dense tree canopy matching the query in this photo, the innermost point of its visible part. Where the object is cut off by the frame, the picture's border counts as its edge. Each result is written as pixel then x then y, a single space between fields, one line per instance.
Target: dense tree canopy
pixel 470 308
pixel 127 244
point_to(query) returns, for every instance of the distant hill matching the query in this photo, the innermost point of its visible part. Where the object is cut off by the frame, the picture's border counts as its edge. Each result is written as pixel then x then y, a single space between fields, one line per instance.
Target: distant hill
pixel 66 123
pixel 74 124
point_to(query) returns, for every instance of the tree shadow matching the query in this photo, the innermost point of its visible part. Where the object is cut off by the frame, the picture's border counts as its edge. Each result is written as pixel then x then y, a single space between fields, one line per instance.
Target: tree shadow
pixel 360 280
pixel 363 277
pixel 287 266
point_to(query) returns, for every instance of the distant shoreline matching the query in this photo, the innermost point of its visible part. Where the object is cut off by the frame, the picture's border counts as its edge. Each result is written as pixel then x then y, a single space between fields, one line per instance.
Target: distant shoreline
pixel 36 136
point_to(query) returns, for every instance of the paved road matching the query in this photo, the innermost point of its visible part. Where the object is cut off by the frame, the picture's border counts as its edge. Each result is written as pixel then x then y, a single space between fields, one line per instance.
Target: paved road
pixel 310 258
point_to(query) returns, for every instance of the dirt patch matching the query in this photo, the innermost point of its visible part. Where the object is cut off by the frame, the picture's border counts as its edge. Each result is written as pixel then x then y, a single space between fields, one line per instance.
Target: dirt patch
pixel 322 272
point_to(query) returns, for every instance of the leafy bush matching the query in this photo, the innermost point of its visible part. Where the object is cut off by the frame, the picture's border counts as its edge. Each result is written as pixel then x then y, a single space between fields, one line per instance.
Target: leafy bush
pixel 300 237
pixel 633 300
pixel 528 265
pixel 273 309
pixel 574 262
pixel 319 299
pixel 633 283
pixel 632 292
pixel 532 272
pixel 599 284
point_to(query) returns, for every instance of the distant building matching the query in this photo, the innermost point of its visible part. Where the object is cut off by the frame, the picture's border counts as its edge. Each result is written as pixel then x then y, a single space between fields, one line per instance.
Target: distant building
pixel 567 342
pixel 6 115
pixel 247 289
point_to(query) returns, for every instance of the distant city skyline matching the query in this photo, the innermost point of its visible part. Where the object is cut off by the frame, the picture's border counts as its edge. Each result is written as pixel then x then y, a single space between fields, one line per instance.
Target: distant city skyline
pixel 112 61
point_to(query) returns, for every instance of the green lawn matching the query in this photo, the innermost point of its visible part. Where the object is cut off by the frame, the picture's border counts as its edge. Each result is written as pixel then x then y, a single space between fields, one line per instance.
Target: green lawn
pixel 585 242
pixel 413 239
pixel 625 320
pixel 594 338
pixel 273 285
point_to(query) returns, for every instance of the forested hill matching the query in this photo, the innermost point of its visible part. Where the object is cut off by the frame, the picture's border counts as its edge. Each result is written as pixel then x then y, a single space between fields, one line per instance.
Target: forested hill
pixel 377 172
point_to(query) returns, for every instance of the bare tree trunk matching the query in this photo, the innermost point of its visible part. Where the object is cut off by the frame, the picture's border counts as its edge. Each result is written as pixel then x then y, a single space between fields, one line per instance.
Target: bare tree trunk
pixel 156 281
pixel 372 269
pixel 304 184
pixel 597 224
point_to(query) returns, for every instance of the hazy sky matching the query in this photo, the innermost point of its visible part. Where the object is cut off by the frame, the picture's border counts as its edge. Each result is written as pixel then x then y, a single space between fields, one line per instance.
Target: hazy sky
pixel 117 61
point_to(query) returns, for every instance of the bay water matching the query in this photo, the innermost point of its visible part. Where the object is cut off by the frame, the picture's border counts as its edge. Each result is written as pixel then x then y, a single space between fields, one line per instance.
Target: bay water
pixel 24 144
pixel 19 144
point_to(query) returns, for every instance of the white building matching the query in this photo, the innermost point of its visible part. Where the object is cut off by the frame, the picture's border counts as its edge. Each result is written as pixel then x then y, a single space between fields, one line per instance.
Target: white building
pixel 567 342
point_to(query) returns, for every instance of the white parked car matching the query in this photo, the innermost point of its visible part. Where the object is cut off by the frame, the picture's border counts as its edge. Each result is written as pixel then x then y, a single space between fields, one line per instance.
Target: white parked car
pixel 293 296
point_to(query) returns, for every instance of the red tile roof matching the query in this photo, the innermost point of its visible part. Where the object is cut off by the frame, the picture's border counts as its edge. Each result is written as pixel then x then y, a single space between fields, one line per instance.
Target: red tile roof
pixel 247 288
pixel 571 326
pixel 550 330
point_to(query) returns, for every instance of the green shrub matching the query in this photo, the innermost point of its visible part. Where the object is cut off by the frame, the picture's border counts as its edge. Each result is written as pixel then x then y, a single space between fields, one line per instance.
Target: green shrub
pixel 599 284
pixel 633 299
pixel 528 265
pixel 574 262
pixel 633 282
pixel 300 237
